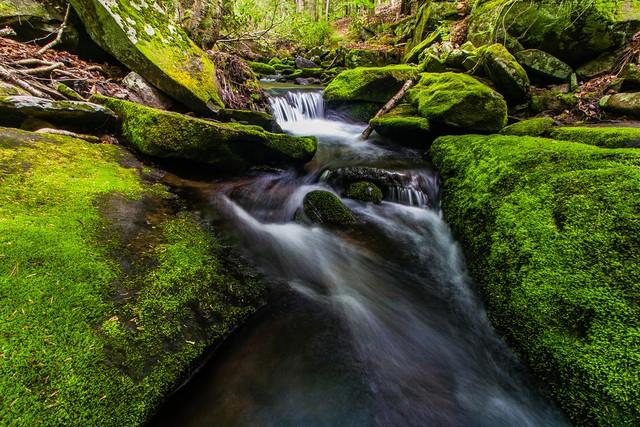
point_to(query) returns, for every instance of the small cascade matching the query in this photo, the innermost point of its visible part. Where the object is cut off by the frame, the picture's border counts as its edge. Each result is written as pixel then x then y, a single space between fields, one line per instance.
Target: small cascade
pixel 296 106
pixel 408 196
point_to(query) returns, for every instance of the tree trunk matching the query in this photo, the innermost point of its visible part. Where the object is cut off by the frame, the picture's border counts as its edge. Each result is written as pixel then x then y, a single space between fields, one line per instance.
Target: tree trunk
pixel 388 106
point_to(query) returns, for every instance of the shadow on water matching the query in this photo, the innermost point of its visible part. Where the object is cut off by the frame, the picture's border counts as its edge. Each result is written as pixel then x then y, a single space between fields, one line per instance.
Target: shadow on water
pixel 374 324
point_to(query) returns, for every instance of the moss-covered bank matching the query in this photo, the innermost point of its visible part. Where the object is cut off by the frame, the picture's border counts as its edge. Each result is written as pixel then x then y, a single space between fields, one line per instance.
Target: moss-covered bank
pixel 552 234
pixel 108 292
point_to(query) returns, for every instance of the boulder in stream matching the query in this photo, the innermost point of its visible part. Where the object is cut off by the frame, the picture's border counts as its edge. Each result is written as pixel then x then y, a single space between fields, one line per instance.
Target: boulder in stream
pixel 230 147
pixel 373 84
pixel 404 124
pixel 324 207
pixel 143 37
pixel 365 192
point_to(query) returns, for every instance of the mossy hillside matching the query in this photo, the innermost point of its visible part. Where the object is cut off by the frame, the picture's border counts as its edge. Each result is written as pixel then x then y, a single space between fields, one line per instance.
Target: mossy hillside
pixel 373 84
pixel 231 147
pixel 88 339
pixel 531 127
pixel 507 75
pixel 608 137
pixel 403 124
pixel 324 207
pixel 458 101
pixel 552 235
pixel 364 191
pixel 143 38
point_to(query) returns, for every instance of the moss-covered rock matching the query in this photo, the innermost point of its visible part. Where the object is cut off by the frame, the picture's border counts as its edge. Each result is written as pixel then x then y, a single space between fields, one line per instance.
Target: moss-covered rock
pixel 608 137
pixel 376 84
pixel 552 235
pixel 458 101
pixel 365 192
pixel 230 147
pixel 324 207
pixel 573 31
pixel 630 76
pixel 507 75
pixel 405 125
pixel 7 89
pixel 249 117
pixel 531 127
pixel 544 66
pixel 262 69
pixel 142 36
pixel 603 64
pixel 355 111
pixel 14 109
pixel 627 104
pixel 110 293
pixel 378 57
pixel 413 54
pixel 551 101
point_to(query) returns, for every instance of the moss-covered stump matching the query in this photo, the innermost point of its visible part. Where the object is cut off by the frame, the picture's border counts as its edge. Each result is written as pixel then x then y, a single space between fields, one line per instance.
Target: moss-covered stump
pixel 507 75
pixel 404 124
pixel 376 84
pixel 324 207
pixel 365 192
pixel 458 101
pixel 531 127
pixel 608 137
pixel 552 235
pixel 14 109
pixel 229 147
pixel 142 36
pixel 109 291
pixel 627 104
pixel 544 66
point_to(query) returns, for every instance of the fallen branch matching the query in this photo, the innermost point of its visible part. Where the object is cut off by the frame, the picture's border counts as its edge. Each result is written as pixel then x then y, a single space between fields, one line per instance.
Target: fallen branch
pixel 10 77
pixel 43 70
pixel 388 106
pixel 58 36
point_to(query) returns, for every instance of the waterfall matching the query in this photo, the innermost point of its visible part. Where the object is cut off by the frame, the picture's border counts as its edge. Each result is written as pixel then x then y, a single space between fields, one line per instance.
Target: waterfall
pixel 296 106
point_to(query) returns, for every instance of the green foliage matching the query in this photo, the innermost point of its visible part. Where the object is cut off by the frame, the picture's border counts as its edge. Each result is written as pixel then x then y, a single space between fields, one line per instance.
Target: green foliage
pixel 552 234
pixel 99 287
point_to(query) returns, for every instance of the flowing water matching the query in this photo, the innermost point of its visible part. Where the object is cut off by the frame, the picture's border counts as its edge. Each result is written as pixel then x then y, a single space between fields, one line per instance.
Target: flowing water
pixel 372 325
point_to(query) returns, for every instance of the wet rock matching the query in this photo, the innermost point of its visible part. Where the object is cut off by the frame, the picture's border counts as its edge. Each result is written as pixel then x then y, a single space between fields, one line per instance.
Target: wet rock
pixel 622 103
pixel 14 109
pixel 375 84
pixel 543 65
pixel 343 177
pixel 454 100
pixel 404 124
pixel 143 93
pixel 324 207
pixel 506 73
pixel 365 192
pixel 306 81
pixel 143 37
pixel 305 63
pixel 249 117
pixel 229 147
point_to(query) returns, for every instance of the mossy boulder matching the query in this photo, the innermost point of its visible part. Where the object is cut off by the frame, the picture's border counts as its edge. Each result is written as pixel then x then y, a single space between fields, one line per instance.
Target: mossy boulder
pixel 552 236
pixel 249 117
pixel 544 66
pixel 403 124
pixel 365 192
pixel 458 101
pixel 324 207
pixel 413 54
pixel 531 127
pixel 574 32
pixel 630 76
pixel 142 36
pixel 7 89
pixel 378 57
pixel 603 64
pixel 551 101
pixel 111 293
pixel 627 103
pixel 37 19
pixel 14 109
pixel 374 84
pixel 262 69
pixel 229 147
pixel 507 75
pixel 608 137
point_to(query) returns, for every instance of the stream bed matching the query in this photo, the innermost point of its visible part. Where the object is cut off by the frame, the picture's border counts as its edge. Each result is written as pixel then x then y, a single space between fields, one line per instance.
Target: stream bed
pixel 375 324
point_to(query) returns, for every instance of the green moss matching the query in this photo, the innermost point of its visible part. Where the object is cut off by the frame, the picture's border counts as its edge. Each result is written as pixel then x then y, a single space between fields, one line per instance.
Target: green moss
pixel 552 101
pixel 458 101
pixel 530 127
pixel 609 137
pixel 403 124
pixel 228 146
pixel 544 65
pixel 365 192
pixel 413 54
pixel 88 339
pixel 507 75
pixel 377 84
pixel 324 207
pixel 627 103
pixel 552 235
pixel 262 69
pixel 145 40
pixel 68 92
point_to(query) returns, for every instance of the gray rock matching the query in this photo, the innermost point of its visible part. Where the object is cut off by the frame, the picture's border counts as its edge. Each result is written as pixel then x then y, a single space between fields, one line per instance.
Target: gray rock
pixel 305 63
pixel 143 93
pixel 544 65
pixel 307 81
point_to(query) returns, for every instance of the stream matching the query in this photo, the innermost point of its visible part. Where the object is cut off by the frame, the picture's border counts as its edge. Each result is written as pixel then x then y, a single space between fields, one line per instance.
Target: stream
pixel 375 324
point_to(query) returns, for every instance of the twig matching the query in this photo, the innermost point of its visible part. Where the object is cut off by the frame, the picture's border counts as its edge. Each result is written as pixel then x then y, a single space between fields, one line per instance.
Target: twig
pixel 42 70
pixel 58 36
pixel 31 61
pixel 10 77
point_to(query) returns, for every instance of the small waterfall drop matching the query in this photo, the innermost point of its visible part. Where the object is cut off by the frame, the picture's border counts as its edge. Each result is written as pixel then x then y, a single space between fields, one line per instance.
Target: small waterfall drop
pixel 296 106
